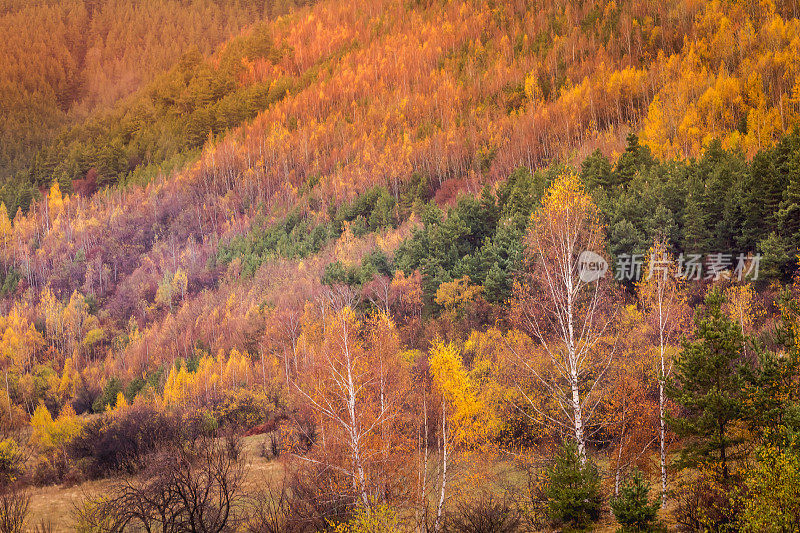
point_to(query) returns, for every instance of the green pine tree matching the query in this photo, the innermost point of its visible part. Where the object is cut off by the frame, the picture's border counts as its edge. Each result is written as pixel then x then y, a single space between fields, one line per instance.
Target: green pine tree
pixel 708 387
pixel 633 508
pixel 573 490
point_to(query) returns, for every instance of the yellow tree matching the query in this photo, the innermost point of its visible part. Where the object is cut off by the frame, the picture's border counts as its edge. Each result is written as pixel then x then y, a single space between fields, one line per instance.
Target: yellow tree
pixel 466 419
pixel 740 306
pixel 565 302
pixel 662 297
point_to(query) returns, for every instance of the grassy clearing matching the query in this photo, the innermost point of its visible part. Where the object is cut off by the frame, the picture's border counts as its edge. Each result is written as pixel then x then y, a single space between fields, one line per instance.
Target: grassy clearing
pixel 55 504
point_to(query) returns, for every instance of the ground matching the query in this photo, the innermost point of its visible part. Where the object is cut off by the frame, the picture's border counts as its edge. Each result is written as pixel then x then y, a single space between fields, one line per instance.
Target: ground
pixel 55 504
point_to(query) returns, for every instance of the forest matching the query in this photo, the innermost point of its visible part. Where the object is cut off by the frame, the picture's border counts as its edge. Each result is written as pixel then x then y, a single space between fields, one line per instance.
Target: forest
pixel 387 266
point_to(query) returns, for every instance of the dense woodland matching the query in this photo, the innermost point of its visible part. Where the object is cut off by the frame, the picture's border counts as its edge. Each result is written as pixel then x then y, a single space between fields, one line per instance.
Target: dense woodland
pixel 353 230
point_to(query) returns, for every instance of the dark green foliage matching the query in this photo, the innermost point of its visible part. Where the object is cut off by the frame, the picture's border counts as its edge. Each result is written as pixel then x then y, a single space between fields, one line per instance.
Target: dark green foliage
pixel 374 263
pixel 633 508
pixel 107 398
pixel 370 211
pixel 707 386
pixel 482 237
pixel 596 171
pixel 634 159
pixel 133 388
pixel 573 490
pixel 772 409
pixel 296 236
pixel 9 281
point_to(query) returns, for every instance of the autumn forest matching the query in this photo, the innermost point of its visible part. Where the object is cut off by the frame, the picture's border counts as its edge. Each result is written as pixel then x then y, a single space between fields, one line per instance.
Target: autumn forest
pixel 440 266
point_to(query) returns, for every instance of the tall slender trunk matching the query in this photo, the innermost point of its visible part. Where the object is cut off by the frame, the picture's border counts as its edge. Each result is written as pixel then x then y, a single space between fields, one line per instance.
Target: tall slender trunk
pixel 662 426
pixel 359 478
pixel 437 525
pixel 573 378
pixel 8 397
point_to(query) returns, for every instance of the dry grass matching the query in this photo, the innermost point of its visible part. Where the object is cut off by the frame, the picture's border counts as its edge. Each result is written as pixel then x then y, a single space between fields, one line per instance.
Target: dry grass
pixel 55 504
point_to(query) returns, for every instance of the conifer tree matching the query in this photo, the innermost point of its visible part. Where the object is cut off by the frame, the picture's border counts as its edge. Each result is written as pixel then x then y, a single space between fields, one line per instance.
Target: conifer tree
pixel 707 385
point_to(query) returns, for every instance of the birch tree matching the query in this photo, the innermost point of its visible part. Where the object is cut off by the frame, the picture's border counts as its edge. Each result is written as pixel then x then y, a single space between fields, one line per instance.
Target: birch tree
pixel 663 300
pixel 565 302
pixel 356 384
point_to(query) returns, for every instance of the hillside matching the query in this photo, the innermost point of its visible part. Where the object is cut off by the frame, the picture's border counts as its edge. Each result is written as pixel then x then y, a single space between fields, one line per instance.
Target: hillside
pixel 65 61
pixel 217 203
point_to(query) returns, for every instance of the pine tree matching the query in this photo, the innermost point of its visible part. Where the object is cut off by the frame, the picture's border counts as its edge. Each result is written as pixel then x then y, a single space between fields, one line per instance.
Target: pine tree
pixel 573 489
pixel 707 385
pixel 633 508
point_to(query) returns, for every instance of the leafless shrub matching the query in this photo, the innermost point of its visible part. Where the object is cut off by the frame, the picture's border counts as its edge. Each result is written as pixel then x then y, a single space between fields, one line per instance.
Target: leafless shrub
pixel 13 511
pixel 197 488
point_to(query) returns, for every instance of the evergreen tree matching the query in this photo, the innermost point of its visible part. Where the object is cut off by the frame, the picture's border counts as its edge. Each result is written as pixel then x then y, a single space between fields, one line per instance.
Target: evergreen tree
pixel 707 386
pixel 596 171
pixel 633 508
pixel 573 489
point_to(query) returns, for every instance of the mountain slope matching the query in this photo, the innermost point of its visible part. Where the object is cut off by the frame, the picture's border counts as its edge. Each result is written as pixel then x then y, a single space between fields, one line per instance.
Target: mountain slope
pixel 362 114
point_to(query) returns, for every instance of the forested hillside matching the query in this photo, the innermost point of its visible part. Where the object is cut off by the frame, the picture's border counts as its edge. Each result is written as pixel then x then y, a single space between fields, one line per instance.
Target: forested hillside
pixel 207 223
pixel 62 61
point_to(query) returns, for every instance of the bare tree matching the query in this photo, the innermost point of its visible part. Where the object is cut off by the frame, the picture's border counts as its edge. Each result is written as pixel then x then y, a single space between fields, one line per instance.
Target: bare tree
pixel 14 506
pixel 663 300
pixel 195 488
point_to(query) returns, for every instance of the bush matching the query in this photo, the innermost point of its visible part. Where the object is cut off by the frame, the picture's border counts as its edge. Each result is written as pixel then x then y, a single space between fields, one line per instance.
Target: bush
pixel 13 511
pixel 380 519
pixel 244 409
pixel 703 504
pixel 486 515
pixel 633 509
pixel 573 490
pixel 183 488
pixel 771 499
pixel 310 500
pixel 120 442
pixel 11 461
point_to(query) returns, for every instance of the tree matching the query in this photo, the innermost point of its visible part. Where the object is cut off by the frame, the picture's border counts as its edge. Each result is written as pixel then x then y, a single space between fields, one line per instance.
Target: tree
pixel 707 386
pixel 771 499
pixel 573 489
pixel 467 422
pixel 356 384
pixel 662 298
pixel 197 488
pixel 564 307
pixel 632 508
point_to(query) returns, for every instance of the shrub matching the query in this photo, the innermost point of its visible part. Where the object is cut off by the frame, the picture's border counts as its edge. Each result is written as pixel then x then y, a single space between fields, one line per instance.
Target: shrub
pixel 772 492
pixel 244 409
pixel 13 511
pixel 183 488
pixel 313 498
pixel 380 519
pixel 633 509
pixel 120 442
pixel 11 461
pixel 573 490
pixel 486 515
pixel 703 504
